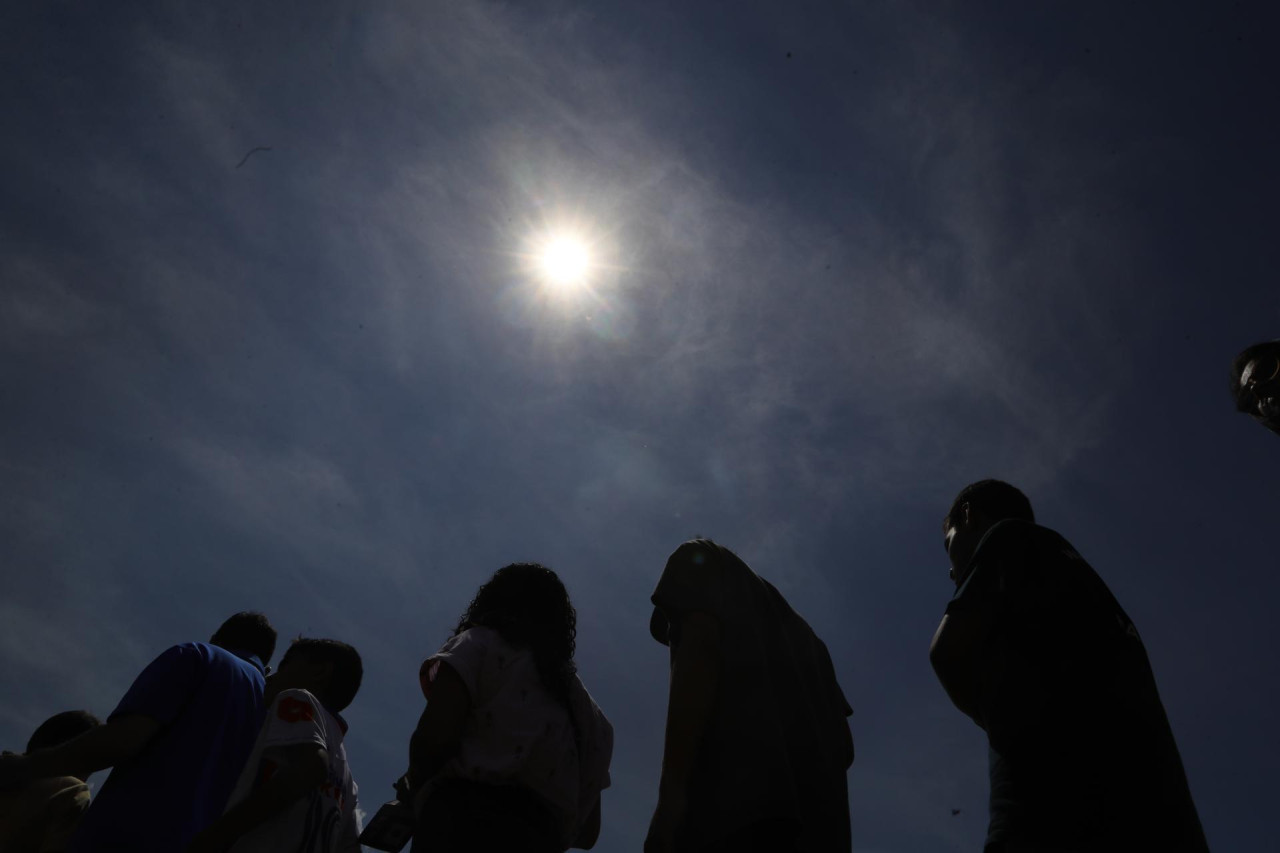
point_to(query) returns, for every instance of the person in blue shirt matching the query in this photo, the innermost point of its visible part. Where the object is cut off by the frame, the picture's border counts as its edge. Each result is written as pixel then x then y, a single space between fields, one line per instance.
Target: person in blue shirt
pixel 177 742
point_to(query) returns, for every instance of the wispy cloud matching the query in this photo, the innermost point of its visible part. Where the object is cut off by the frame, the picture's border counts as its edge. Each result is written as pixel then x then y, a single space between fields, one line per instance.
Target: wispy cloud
pixel 329 388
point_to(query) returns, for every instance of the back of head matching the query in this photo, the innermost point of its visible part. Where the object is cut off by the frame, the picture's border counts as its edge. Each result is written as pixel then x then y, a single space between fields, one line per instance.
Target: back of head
pixel 528 604
pixel 995 500
pixel 247 631
pixel 61 728
pixel 346 670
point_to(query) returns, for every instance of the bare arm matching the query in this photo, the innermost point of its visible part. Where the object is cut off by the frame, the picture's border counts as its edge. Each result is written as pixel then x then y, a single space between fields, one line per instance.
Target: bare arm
pixel 107 745
pixel 440 727
pixel 956 655
pixel 301 768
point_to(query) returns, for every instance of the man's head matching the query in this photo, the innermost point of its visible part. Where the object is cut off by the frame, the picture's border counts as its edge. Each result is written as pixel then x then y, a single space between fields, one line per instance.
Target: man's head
pixel 61 728
pixel 974 511
pixel 327 669
pixel 247 631
pixel 1255 383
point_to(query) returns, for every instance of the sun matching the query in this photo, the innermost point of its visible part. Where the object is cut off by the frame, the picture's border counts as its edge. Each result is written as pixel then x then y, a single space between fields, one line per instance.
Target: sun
pixel 564 261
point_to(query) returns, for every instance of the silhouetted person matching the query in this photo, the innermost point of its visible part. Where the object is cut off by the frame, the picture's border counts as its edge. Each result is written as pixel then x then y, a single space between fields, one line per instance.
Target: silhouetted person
pixel 1255 383
pixel 511 753
pixel 757 740
pixel 1034 648
pixel 41 816
pixel 296 792
pixel 177 742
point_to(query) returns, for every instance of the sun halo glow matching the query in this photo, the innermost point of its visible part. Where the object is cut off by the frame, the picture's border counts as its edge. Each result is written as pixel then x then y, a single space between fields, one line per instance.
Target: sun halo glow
pixel 564 261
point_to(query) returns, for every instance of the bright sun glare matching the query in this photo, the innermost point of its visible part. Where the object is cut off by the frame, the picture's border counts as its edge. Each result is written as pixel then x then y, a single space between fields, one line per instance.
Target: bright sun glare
pixel 564 261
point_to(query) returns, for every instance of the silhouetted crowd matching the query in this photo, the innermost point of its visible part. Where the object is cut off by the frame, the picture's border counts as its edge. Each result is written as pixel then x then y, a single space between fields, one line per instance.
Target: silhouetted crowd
pixel 212 751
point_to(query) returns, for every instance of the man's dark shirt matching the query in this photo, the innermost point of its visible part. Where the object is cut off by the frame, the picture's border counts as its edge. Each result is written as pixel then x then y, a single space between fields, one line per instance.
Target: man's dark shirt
pixel 1082 756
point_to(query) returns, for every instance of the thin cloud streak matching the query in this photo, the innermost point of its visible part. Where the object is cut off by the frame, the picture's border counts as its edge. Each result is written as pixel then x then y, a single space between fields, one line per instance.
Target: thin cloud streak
pixel 327 390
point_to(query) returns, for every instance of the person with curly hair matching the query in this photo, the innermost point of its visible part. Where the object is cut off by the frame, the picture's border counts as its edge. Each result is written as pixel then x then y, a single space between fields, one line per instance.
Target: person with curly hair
pixel 511 752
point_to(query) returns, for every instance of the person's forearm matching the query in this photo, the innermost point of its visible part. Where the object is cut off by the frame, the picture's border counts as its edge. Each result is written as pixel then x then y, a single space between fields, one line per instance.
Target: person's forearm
pixel 286 786
pixel 956 656
pixel 430 748
pixel 425 759
pixel 104 746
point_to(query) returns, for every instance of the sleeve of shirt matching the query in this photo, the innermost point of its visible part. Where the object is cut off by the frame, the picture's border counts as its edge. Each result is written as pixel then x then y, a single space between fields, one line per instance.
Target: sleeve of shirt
pixel 64 811
pixel 162 690
pixel 466 655
pixel 295 717
pixel 597 739
pixel 693 580
pixel 1005 572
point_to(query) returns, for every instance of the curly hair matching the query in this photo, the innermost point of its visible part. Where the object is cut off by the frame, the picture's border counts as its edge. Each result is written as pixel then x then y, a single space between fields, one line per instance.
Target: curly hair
pixel 528 605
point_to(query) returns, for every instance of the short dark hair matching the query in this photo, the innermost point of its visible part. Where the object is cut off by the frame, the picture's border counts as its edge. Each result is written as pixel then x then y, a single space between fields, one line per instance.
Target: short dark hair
pixel 996 499
pixel 348 670
pixel 61 728
pixel 1238 364
pixel 248 631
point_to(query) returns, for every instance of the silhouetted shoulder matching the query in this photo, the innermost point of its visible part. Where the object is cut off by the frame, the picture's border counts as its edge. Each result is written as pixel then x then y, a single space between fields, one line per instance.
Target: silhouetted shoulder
pixel 1019 560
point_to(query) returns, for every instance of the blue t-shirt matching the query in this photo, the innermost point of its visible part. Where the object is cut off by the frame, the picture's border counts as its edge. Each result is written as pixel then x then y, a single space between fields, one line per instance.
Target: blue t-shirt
pixel 209 704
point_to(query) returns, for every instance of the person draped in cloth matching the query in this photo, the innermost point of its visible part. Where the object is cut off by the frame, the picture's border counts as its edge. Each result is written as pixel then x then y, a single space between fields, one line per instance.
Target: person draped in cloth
pixel 757 739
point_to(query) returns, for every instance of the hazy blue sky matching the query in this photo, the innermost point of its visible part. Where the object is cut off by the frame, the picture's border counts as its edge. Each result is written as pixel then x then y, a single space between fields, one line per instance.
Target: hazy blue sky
pixel 850 257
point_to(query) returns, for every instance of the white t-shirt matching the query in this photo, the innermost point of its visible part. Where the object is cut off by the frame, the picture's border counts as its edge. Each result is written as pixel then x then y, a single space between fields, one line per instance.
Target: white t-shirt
pixel 518 733
pixel 325 820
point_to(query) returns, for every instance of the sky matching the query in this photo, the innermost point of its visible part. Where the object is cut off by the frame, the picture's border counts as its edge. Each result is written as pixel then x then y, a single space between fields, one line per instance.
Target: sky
pixel 846 258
